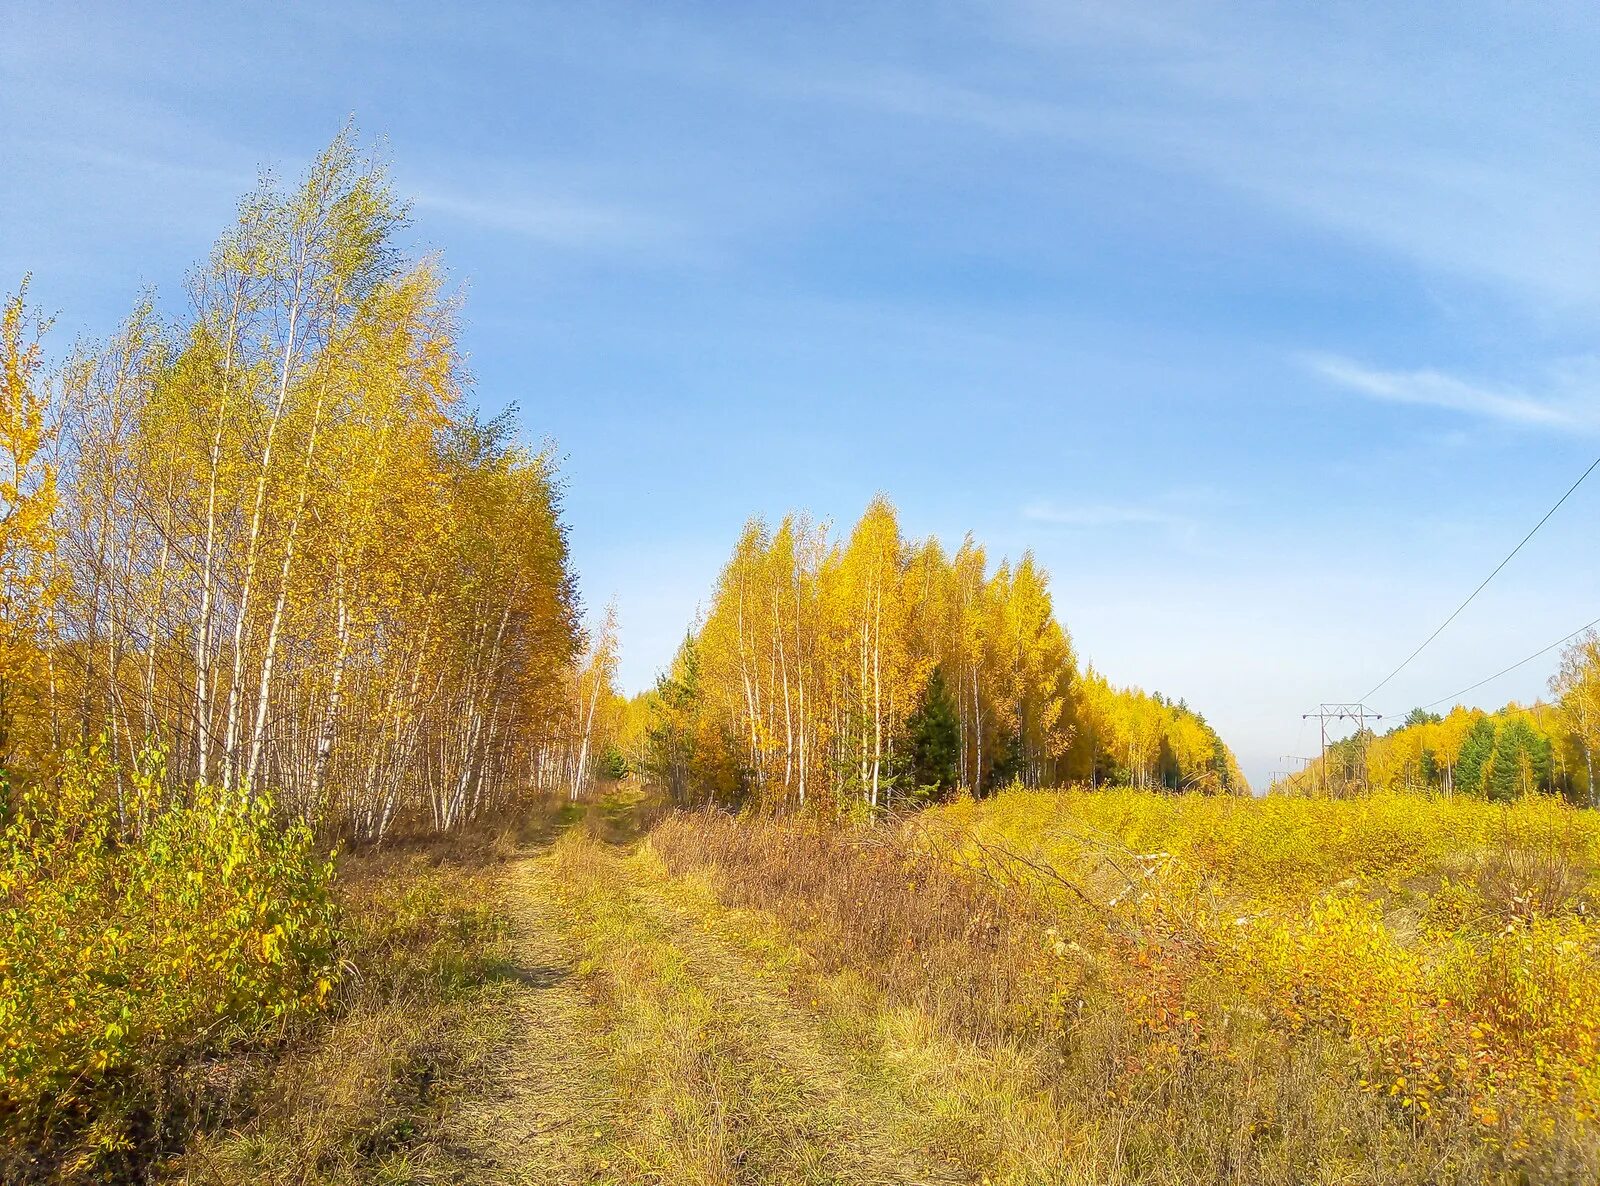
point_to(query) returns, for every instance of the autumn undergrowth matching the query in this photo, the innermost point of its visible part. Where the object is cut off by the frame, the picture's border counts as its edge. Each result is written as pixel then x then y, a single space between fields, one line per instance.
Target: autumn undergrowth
pixel 359 1098
pixel 715 1076
pixel 424 1009
pixel 192 990
pixel 143 934
pixel 1119 986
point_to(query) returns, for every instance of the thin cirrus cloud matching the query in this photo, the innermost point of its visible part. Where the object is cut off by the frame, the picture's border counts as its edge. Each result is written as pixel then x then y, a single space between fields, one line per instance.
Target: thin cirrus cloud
pixel 555 222
pixel 1435 389
pixel 1101 515
pixel 1355 143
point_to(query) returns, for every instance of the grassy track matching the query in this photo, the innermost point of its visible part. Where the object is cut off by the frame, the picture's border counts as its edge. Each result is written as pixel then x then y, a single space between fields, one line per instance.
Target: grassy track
pixel 649 1048
pixel 542 1113
pixel 727 1001
pixel 741 1001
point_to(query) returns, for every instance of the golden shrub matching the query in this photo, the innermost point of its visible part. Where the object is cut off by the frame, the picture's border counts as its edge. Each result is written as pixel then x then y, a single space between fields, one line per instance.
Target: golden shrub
pixel 1449 945
pixel 140 929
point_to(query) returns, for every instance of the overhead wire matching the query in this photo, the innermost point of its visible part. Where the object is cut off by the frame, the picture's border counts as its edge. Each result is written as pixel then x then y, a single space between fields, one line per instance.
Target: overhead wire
pixel 1456 696
pixel 1406 662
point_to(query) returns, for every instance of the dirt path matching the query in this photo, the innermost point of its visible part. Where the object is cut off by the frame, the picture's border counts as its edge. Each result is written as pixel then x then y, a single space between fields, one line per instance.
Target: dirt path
pixel 645 1049
pixel 536 1120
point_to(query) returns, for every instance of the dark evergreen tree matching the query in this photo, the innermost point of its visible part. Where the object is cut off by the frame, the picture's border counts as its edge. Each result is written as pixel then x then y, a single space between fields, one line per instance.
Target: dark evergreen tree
pixel 1418 716
pixel 1520 762
pixel 1476 751
pixel 935 737
pixel 613 764
pixel 1432 772
pixel 669 739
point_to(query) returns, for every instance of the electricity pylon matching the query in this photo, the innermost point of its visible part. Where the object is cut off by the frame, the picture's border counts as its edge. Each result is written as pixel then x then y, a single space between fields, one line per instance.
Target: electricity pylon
pixel 1358 713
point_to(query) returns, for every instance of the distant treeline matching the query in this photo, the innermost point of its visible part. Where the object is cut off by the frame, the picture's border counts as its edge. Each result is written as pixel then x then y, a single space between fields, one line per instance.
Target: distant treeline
pixel 876 670
pixel 1543 748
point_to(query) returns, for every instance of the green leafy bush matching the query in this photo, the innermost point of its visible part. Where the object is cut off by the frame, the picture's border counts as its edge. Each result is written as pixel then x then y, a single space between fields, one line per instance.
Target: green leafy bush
pixel 141 930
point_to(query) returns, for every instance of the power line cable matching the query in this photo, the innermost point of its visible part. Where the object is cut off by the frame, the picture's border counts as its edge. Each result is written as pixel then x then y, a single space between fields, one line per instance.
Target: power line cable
pixel 1506 671
pixel 1456 613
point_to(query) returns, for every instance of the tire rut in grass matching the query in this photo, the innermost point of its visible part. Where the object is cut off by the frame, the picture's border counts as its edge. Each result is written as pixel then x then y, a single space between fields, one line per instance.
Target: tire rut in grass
pixel 546 1115
pixel 726 1079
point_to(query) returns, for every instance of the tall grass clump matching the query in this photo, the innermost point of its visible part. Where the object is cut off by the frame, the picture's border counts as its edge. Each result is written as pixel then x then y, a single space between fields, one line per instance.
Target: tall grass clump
pixel 143 929
pixel 927 934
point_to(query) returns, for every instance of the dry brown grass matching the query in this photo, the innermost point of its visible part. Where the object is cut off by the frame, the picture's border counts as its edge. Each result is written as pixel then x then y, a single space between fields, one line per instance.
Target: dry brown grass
pixel 717 1075
pixel 447 1057
pixel 1521 878
pixel 968 955
pixel 357 1099
pixel 755 1001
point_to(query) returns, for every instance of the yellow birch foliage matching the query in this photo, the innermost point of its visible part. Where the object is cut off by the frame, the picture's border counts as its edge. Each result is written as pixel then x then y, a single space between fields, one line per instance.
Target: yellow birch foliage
pixel 27 533
pixel 815 664
pixel 290 557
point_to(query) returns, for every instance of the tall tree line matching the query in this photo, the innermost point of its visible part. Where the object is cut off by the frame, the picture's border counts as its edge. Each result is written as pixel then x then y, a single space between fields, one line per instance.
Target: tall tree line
pixel 872 669
pixel 275 547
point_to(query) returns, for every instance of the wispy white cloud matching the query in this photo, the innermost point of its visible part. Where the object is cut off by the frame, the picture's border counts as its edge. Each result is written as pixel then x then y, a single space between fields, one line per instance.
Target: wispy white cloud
pixel 1355 142
pixel 1101 515
pixel 557 222
pixel 1435 389
pixel 924 96
pixel 163 165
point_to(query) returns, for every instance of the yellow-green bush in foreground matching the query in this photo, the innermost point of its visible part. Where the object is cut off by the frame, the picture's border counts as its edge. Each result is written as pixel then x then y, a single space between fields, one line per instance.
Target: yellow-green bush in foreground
pixel 418 1017
pixel 139 931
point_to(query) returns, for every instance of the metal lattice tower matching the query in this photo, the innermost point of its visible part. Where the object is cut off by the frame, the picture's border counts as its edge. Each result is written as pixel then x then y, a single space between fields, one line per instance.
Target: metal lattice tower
pixel 1357 712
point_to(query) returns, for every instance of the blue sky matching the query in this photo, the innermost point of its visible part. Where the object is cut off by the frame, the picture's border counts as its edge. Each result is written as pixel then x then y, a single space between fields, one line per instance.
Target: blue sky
pixel 1269 328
